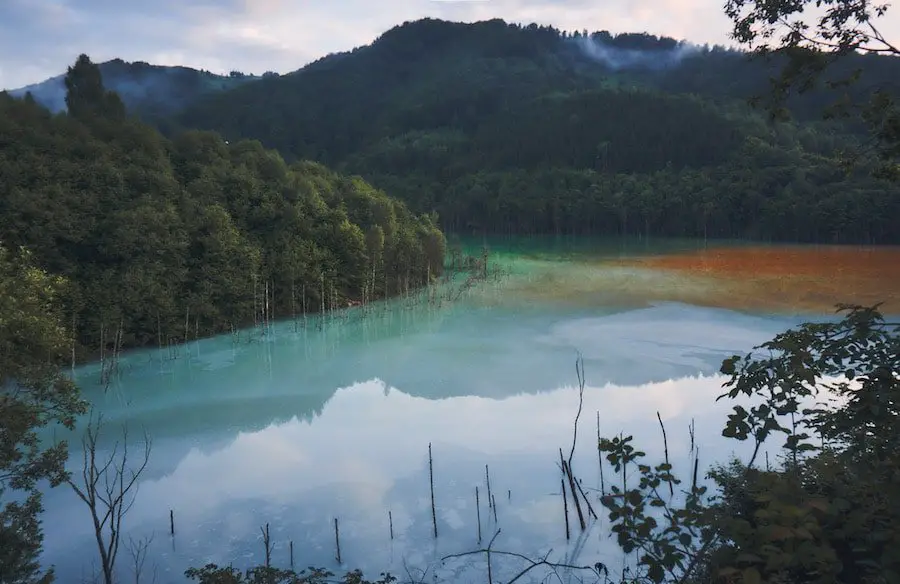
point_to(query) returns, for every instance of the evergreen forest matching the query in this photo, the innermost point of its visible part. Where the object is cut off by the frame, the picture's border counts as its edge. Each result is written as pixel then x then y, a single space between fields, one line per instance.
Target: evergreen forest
pixel 506 129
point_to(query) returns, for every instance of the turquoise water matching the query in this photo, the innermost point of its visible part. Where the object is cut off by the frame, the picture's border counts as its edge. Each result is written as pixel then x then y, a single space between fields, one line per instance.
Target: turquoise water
pixel 332 418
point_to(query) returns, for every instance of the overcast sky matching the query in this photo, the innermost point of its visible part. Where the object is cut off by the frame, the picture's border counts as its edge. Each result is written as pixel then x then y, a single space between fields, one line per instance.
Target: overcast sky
pixel 39 38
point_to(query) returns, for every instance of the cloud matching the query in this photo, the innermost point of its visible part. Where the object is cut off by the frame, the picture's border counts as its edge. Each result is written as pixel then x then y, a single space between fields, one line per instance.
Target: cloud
pixel 39 38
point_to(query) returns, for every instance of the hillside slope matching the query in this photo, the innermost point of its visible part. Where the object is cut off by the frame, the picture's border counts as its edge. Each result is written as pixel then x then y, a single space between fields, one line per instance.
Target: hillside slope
pixel 148 90
pixel 505 128
pixel 163 241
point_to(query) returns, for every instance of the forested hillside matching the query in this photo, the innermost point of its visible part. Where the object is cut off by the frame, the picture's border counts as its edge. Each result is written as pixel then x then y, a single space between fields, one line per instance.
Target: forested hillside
pixel 164 240
pixel 503 128
pixel 147 90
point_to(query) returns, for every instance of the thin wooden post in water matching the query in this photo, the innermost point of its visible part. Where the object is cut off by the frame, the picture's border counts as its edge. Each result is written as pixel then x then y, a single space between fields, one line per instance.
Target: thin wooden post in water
pixel 292 554
pixel 171 522
pixel 586 500
pixel 337 540
pixel 495 509
pixel 487 474
pixel 697 463
pixel 600 457
pixel 665 450
pixel 391 523
pixel 567 472
pixel 431 479
pixel 267 542
pixel 562 484
pixel 478 512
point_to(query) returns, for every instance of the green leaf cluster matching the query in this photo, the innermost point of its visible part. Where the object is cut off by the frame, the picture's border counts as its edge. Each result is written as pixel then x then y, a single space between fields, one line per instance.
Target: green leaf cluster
pixel 828 512
pixel 33 395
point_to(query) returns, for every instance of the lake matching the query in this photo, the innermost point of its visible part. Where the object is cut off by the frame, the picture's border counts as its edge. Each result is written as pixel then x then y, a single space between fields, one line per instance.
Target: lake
pixel 332 417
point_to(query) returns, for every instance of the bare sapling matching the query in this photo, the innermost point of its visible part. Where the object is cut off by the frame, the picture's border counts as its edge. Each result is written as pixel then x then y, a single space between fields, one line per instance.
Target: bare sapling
pixel 267 544
pixel 487 476
pixel 567 473
pixel 255 302
pixel 586 499
pixel 102 353
pixel 600 456
pixel 478 512
pixel 108 487
pixel 265 307
pixel 138 550
pixel 304 305
pixel 665 449
pixel 431 480
pixel 293 304
pixel 579 371
pixel 337 541
pixel 322 280
pixel 531 564
pixel 109 365
pixel 73 341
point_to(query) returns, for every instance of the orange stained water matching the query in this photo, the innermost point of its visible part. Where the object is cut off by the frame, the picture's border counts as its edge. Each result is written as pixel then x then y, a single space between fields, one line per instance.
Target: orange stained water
pixel 787 278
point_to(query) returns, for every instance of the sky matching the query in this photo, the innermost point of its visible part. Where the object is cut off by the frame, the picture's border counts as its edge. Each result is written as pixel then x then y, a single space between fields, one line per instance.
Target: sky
pixel 39 38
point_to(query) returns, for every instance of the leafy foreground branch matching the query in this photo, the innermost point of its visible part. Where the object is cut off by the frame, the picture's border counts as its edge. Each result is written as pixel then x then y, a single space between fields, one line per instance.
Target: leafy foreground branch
pixel 827 513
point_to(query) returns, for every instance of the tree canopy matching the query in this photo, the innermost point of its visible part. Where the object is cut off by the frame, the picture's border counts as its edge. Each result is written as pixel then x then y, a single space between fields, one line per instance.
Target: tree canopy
pixel 162 240
pixel 510 129
pixel 33 394
pixel 814 36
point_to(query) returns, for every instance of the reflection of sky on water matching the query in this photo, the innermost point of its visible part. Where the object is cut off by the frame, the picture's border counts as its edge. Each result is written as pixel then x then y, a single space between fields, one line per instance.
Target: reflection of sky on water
pixel 254 433
pixel 366 454
pixel 307 425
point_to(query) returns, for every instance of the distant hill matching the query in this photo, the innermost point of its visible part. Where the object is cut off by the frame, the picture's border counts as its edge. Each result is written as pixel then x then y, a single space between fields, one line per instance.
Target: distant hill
pixel 437 74
pixel 502 128
pixel 149 90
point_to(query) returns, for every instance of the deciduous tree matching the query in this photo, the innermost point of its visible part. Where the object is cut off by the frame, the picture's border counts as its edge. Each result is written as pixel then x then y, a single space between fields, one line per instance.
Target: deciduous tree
pixel 34 396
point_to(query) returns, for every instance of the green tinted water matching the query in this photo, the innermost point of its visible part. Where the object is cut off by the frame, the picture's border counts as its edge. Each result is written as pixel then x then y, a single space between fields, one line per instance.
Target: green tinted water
pixel 332 417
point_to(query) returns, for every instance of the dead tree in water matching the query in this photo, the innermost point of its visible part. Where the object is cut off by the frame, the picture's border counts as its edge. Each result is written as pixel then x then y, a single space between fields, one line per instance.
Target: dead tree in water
pixel 267 543
pixel 108 488
pixel 138 550
pixel 109 365
pixel 530 564
pixel 566 465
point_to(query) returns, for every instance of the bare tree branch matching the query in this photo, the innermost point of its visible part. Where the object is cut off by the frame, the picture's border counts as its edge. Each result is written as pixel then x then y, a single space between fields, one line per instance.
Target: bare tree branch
pixel 109 489
pixel 138 549
pixel 532 564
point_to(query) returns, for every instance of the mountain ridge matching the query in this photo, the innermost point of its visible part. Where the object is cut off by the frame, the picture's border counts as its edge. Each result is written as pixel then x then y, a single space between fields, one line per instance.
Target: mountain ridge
pixel 144 88
pixel 504 128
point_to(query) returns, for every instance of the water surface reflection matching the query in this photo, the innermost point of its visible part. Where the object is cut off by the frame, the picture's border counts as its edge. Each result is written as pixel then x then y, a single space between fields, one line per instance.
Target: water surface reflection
pixel 366 454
